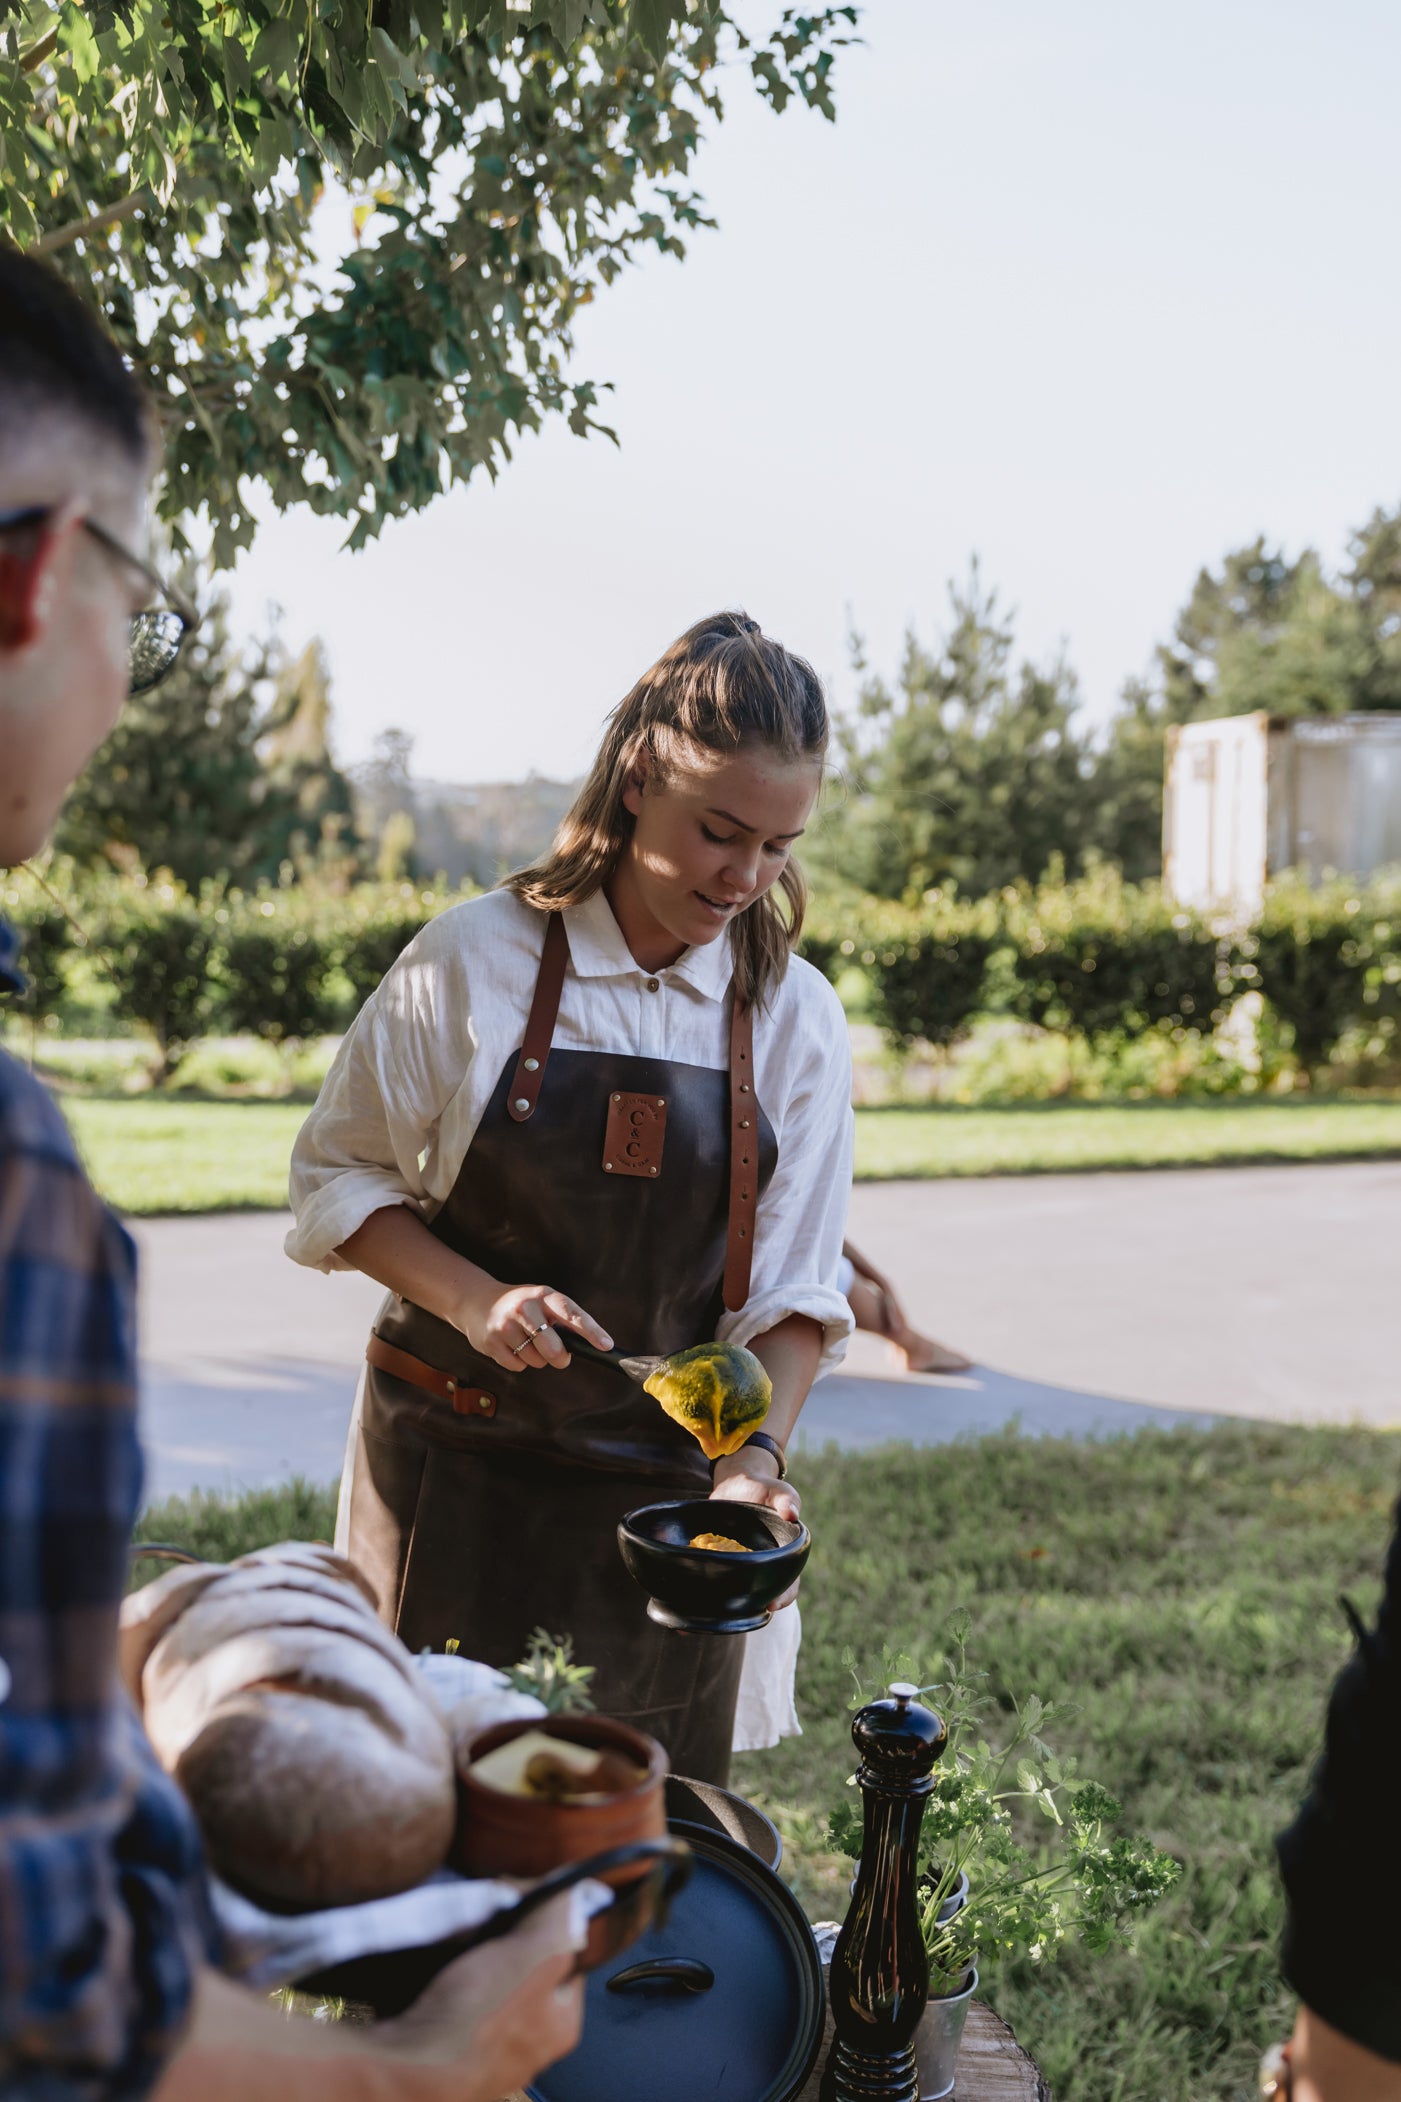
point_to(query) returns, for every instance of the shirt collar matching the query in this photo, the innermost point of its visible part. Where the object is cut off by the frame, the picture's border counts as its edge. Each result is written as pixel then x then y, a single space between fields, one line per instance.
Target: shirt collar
pixel 597 950
pixel 12 978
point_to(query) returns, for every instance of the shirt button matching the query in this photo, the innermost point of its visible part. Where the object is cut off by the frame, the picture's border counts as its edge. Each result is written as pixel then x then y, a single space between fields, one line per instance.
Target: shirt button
pixel 654 985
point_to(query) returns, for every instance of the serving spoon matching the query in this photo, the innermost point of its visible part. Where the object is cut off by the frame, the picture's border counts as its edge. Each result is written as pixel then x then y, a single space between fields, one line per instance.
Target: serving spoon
pixel 638 1368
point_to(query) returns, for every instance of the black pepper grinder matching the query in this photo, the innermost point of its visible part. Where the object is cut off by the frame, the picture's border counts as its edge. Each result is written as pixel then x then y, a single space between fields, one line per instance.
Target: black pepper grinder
pixel 879 1977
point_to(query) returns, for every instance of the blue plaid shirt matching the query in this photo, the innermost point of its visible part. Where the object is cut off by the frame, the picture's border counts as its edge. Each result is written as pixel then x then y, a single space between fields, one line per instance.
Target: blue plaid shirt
pixel 102 1917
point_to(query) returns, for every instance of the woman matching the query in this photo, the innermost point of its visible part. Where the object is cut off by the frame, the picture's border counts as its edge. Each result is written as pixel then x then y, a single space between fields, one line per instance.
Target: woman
pixel 602 1099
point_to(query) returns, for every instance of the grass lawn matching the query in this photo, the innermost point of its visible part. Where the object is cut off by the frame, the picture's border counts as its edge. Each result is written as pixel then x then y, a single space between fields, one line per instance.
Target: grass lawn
pixel 1045 1137
pixel 181 1156
pixel 152 1156
pixel 1177 1592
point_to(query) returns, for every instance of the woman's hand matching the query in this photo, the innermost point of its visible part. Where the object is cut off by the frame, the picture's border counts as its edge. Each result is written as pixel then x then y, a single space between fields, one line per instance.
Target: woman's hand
pixel 515 1326
pixel 750 1476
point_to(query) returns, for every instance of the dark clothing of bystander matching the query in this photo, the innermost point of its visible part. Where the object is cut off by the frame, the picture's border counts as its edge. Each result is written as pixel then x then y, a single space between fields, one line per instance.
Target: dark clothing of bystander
pixel 1341 1858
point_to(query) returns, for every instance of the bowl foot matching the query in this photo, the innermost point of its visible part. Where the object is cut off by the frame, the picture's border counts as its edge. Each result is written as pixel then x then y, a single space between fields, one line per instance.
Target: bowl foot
pixel 681 1625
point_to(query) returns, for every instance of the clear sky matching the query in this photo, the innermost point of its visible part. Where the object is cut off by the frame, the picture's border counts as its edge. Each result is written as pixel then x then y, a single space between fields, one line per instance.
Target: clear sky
pixel 1095 291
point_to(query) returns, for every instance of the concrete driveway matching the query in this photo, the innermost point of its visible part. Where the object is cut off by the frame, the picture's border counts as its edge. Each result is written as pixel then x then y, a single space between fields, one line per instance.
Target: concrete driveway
pixel 1092 1303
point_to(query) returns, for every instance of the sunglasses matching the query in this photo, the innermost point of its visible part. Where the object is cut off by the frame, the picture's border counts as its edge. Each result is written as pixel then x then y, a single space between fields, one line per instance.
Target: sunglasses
pixel 158 634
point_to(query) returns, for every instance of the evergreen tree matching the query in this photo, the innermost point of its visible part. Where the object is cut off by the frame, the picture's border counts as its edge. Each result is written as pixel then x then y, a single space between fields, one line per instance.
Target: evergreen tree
pixel 222 772
pixel 967 773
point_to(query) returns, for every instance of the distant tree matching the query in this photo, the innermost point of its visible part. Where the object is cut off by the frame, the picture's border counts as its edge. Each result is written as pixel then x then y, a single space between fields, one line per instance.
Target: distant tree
pixel 310 812
pixel 1259 632
pixel 1264 632
pixel 1124 790
pixel 221 772
pixel 967 772
pixel 1373 580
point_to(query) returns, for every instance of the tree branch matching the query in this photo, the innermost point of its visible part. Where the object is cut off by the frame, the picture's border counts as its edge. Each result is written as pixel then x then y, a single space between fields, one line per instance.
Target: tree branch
pixel 81 229
pixel 36 55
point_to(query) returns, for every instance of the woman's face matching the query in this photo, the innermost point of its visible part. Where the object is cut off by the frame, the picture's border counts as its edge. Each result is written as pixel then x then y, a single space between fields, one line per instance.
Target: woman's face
pixel 707 841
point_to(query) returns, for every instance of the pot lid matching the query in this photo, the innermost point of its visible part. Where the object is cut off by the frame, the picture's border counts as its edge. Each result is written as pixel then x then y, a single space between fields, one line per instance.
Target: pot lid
pixel 725 1998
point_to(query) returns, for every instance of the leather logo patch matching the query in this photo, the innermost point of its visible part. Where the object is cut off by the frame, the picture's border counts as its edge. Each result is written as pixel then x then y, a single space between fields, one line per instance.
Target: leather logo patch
pixel 632 1144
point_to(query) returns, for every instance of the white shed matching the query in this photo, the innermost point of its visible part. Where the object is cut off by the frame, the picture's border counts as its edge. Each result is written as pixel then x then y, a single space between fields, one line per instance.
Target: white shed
pixel 1247 796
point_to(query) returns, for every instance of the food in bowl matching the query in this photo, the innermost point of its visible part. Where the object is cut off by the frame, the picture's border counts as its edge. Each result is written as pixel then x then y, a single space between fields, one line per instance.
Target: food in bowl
pixel 703 1590
pixel 721 1544
pixel 554 1770
pixel 517 1830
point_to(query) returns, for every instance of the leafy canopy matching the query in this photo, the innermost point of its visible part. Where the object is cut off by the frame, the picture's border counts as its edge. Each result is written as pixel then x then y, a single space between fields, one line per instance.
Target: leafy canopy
pixel 346 245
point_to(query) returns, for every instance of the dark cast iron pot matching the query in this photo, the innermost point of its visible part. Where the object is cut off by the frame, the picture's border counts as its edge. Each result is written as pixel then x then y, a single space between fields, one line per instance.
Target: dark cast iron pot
pixel 722 2002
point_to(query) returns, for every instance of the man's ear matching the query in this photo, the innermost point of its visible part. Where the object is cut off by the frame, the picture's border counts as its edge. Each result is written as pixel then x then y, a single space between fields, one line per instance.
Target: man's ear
pixel 33 567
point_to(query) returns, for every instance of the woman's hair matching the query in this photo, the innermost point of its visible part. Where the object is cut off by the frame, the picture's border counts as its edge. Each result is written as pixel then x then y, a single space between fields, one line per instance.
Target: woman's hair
pixel 723 685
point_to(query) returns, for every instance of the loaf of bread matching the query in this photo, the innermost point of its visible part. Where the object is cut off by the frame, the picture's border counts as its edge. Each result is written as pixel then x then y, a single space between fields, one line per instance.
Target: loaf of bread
pixel 313 1753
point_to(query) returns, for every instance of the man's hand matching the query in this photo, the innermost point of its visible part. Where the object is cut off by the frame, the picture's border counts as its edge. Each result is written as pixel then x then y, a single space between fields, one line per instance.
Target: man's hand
pixel 750 1476
pixel 487 2024
pixel 500 2014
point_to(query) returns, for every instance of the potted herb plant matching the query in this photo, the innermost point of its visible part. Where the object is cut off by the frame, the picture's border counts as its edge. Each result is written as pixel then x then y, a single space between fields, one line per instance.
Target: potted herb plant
pixel 991 1883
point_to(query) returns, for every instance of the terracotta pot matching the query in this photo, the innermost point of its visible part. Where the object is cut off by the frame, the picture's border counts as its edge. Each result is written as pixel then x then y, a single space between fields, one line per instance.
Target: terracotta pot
pixel 508 1835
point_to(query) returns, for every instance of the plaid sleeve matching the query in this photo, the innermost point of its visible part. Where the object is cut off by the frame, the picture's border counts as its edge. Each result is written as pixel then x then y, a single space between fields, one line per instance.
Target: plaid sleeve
pixel 101 1895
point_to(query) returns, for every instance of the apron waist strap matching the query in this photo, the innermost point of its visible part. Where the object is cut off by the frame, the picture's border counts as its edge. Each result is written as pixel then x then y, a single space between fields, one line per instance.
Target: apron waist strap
pixel 401 1364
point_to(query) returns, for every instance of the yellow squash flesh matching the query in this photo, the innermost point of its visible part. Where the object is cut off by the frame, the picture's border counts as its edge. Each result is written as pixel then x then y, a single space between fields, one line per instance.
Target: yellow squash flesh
pixel 716 1391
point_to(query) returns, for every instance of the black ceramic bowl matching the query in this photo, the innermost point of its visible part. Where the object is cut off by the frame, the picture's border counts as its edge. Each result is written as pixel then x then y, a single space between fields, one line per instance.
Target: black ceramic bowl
pixel 705 1591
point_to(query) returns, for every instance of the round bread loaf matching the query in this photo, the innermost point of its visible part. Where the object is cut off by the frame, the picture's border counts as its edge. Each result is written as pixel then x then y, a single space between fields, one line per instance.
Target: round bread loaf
pixel 316 1760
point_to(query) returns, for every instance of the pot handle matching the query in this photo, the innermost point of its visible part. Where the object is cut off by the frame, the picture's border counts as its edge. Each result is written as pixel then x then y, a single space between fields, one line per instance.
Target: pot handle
pixel 669 1859
pixel 682 1974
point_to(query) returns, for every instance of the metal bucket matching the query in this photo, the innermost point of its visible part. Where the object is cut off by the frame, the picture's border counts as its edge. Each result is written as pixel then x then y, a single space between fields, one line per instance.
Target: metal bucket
pixel 937 2039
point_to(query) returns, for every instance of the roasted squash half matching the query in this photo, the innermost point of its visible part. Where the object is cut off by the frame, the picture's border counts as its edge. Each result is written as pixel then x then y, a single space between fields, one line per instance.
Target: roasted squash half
pixel 716 1391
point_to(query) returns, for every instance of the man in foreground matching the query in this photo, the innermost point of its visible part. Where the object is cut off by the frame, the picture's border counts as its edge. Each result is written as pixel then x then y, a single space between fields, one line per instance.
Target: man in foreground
pixel 106 1983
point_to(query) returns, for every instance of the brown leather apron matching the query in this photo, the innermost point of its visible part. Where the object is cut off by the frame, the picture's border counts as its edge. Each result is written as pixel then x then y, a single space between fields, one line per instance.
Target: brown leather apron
pixel 489 1511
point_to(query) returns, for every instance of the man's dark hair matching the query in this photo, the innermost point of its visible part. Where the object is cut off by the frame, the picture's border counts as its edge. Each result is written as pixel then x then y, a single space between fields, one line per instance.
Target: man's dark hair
pixel 56 357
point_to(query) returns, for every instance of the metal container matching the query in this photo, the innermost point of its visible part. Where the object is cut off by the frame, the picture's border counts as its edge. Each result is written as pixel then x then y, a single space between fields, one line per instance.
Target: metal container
pixel 722 2002
pixel 1248 796
pixel 937 2039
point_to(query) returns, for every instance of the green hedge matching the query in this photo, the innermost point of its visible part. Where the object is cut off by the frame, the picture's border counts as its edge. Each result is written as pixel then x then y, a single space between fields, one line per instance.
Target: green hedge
pixel 1104 960
pixel 281 964
pixel 1099 958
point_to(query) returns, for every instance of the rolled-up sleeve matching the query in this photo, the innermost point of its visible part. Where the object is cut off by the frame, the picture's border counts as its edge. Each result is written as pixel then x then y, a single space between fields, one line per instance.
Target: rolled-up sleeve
pixel 366 1141
pixel 103 1921
pixel 802 1214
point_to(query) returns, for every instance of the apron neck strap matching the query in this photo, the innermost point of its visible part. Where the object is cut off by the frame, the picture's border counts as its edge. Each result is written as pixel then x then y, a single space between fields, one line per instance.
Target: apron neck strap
pixel 744 1156
pixel 540 1026
pixel 744 1113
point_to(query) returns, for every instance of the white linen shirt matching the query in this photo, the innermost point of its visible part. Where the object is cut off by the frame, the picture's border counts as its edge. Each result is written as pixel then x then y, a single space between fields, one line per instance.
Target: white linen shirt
pixel 415 1073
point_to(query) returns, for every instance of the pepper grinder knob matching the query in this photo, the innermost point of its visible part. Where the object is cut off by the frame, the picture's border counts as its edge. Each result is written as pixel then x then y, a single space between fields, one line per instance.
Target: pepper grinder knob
pixel 897 1738
pixel 879 1976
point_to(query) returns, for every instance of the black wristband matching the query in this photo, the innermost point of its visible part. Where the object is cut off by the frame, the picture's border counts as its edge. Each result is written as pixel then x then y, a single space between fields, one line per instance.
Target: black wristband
pixel 765 1444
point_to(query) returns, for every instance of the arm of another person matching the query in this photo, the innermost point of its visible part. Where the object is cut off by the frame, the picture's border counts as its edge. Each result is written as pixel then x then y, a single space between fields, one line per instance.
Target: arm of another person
pixel 488 2023
pixel 101 1921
